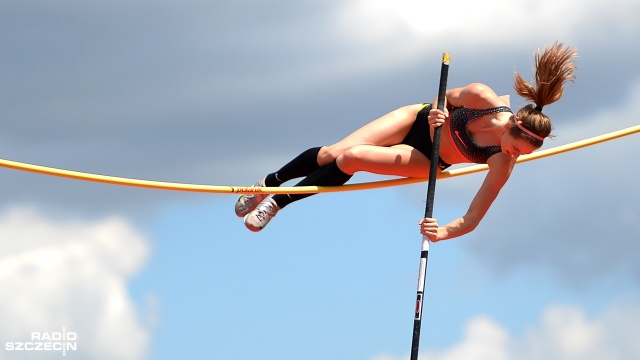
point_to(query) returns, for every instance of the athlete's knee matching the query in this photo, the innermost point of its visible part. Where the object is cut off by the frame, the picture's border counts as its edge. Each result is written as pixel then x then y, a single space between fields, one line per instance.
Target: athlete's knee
pixel 351 159
pixel 327 154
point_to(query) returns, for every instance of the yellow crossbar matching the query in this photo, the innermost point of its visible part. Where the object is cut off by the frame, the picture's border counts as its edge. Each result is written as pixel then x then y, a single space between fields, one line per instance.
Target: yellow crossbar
pixel 302 189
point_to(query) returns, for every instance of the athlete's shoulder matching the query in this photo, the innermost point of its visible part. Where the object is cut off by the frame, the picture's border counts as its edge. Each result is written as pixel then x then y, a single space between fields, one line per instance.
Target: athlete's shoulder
pixel 479 96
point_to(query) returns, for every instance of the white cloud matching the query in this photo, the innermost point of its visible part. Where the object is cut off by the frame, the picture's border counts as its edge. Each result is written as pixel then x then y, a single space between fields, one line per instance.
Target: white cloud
pixel 564 333
pixel 72 275
pixel 483 339
pixel 470 22
pixel 410 29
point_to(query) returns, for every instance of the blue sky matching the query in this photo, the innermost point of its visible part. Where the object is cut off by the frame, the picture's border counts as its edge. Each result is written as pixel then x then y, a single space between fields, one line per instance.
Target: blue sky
pixel 221 93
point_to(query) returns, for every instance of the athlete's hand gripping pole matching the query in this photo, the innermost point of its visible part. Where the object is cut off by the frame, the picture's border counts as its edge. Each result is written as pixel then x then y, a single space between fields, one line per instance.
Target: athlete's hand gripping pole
pixel 431 191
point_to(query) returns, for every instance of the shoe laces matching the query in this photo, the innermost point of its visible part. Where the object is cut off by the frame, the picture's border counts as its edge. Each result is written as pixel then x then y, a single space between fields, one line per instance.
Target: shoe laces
pixel 254 197
pixel 265 210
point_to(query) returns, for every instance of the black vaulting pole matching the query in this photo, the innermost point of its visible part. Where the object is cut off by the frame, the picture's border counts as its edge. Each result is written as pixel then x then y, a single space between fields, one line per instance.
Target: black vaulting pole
pixel 428 212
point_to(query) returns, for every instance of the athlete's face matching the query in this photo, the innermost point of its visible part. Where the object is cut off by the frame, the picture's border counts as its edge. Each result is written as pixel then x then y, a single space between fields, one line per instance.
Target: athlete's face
pixel 515 146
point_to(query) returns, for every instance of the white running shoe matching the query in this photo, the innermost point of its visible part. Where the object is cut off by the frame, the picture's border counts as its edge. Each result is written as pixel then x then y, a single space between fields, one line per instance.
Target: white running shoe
pixel 247 202
pixel 260 217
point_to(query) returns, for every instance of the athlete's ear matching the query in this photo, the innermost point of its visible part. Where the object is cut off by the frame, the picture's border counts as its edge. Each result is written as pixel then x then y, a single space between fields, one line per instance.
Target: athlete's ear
pixel 510 123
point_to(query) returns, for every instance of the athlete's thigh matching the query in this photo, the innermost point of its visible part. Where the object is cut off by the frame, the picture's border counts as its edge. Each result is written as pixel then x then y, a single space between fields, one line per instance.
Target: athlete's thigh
pixel 399 160
pixel 387 130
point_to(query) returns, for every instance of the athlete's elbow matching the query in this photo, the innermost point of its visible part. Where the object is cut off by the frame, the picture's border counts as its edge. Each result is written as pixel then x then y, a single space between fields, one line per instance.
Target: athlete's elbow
pixel 471 221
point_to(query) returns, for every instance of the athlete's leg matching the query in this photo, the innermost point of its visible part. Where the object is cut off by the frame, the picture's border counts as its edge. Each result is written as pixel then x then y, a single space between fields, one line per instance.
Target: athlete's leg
pixel 357 152
pixel 302 165
pixel 401 160
pixel 328 175
pixel 387 130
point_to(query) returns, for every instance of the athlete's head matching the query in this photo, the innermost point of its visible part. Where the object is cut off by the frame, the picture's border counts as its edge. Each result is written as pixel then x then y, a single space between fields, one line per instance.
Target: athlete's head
pixel 553 68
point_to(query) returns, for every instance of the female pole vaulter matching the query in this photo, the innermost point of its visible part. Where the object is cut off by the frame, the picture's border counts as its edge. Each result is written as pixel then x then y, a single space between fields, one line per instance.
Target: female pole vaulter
pixel 478 127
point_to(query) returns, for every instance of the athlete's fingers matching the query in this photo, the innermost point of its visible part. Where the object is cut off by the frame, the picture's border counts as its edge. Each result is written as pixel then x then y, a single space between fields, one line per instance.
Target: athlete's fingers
pixel 436 117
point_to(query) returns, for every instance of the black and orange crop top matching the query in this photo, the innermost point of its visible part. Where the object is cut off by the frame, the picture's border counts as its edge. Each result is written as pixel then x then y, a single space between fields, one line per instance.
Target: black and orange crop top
pixel 461 137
